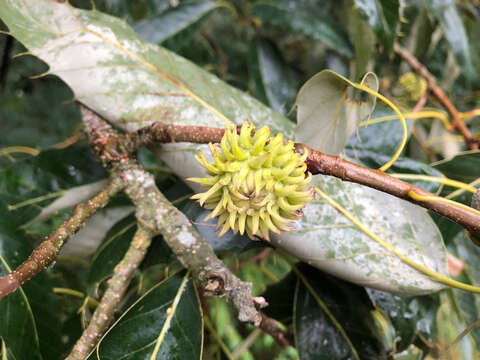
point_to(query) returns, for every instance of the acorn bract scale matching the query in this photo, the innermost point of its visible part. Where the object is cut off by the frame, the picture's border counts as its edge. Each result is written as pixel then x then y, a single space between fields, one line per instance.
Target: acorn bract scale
pixel 257 184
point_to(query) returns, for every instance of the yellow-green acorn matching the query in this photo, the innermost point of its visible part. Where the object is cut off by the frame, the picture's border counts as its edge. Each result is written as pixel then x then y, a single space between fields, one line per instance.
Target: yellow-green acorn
pixel 257 184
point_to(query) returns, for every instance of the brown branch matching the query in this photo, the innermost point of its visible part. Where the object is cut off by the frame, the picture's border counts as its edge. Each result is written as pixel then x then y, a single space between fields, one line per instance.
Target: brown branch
pixel 255 259
pixel 47 251
pixel 117 285
pixel 320 163
pixel 439 94
pixel 273 328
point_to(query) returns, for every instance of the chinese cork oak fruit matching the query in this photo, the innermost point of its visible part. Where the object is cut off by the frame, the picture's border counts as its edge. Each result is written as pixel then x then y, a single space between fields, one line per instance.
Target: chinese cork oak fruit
pixel 256 183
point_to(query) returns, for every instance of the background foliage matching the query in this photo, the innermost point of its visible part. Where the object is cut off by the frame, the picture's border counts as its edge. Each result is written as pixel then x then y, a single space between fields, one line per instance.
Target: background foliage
pixel 267 49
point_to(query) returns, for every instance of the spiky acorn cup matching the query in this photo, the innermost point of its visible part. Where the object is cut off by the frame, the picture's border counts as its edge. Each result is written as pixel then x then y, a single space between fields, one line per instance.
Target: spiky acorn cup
pixel 257 184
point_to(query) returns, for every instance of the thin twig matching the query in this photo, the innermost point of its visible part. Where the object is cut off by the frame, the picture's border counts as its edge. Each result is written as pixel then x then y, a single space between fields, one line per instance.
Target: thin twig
pixel 439 94
pixel 320 163
pixel 118 283
pixel 47 251
pixel 245 345
pixel 255 259
pixel 273 328
pixel 464 333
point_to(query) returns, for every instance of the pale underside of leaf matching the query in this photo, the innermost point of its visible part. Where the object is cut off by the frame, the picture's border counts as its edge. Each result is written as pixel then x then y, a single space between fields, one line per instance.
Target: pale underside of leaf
pixel 326 115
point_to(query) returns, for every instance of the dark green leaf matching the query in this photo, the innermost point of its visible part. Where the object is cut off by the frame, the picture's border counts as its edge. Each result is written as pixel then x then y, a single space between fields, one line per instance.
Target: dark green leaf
pixel 383 16
pixel 49 172
pixel 364 43
pixel 318 28
pixel 29 317
pixel 280 297
pixel 159 27
pixel 275 75
pixel 19 326
pixel 167 319
pixel 228 242
pixel 463 166
pixel 40 119
pixel 111 251
pixel 402 317
pixel 423 36
pixel 33 310
pixel 446 13
pixel 317 337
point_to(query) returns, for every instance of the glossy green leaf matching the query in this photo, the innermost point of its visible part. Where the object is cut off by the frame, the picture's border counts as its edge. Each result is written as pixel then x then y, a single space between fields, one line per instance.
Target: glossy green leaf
pixel 402 317
pixel 363 41
pixel 317 336
pixel 161 26
pixel 383 17
pixel 463 166
pixel 423 37
pixel 446 13
pixel 29 317
pixel 41 119
pixel 111 251
pixel 228 242
pixel 19 326
pixel 280 297
pixel 318 28
pixel 327 115
pixel 116 242
pixel 133 83
pixel 164 324
pixel 275 77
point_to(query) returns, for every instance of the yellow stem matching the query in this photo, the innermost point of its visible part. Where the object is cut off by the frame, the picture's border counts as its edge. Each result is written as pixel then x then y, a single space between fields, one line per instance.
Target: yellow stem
pixel 66 291
pixel 469 114
pixel 461 191
pixel 432 274
pixel 417 115
pixel 442 180
pixel 418 197
pixel 35 200
pixel 400 148
pixel 170 313
pixel 19 149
